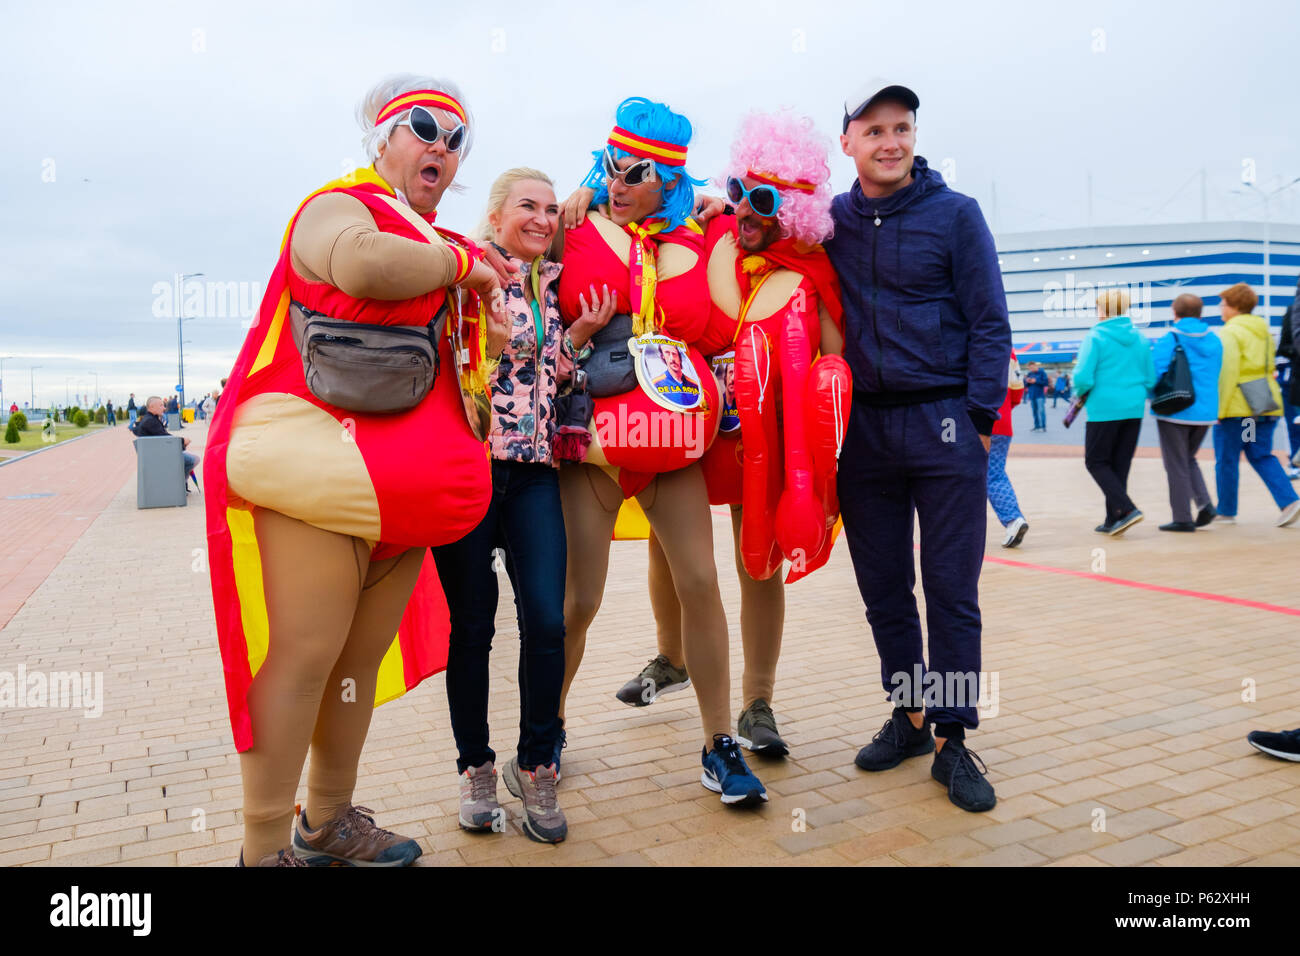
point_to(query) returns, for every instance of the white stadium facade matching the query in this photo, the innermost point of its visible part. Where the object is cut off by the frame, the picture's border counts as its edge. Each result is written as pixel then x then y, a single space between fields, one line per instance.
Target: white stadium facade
pixel 1051 277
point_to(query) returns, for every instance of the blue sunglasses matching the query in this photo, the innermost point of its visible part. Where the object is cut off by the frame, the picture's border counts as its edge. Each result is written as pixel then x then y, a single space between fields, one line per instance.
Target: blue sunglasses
pixel 764 200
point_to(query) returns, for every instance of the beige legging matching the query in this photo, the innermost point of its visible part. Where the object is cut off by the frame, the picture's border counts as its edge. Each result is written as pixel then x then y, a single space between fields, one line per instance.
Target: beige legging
pixel 762 618
pixel 677 506
pixel 332 615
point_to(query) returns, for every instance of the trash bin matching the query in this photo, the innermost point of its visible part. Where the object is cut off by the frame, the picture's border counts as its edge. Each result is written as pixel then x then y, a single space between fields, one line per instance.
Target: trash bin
pixel 187 415
pixel 173 420
pixel 159 472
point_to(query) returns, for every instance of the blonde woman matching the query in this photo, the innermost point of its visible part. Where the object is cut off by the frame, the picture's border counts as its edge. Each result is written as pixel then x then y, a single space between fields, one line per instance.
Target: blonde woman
pixel 523 519
pixel 1114 374
pixel 1250 404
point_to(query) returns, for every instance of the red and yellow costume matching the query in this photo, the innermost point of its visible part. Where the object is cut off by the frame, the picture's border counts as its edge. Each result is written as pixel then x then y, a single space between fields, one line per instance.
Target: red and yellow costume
pixel 658 275
pixel 662 275
pixel 397 481
pixel 781 463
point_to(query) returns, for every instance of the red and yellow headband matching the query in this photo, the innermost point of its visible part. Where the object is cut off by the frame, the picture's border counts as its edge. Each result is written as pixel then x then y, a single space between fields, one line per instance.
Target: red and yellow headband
pixel 802 185
pixel 670 154
pixel 435 99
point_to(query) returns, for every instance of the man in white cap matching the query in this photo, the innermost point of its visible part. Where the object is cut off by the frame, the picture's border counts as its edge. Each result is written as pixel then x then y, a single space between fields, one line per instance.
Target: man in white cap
pixel 927 338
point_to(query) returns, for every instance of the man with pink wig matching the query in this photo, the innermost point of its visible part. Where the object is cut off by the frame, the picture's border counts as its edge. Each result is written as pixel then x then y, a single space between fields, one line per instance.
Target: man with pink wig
pixel 769 275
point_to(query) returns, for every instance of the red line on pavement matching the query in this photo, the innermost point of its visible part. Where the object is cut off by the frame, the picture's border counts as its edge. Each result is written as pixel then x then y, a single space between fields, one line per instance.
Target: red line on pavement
pixel 1141 585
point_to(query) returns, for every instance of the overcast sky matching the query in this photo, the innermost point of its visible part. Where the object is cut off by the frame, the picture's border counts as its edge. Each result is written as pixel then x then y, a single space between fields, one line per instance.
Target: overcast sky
pixel 143 140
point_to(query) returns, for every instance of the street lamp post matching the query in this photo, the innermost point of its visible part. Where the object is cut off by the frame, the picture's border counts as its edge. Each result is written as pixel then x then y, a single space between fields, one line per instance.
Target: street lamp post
pixel 180 347
pixel 33 370
pixel 96 401
pixel 1268 228
pixel 2 382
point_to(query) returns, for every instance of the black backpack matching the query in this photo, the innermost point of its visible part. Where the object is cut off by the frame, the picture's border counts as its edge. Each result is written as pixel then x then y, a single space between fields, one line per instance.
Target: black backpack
pixel 1174 390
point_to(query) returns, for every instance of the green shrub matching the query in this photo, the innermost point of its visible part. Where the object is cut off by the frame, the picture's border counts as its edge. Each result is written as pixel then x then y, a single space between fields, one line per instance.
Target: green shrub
pixel 80 419
pixel 20 419
pixel 101 415
pixel 11 432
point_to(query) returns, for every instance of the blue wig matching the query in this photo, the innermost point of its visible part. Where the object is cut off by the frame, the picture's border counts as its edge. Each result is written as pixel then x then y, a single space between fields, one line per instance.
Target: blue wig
pixel 653 121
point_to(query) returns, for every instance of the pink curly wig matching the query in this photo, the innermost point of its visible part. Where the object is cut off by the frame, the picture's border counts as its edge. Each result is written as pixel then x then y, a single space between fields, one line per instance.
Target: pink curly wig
pixel 788 147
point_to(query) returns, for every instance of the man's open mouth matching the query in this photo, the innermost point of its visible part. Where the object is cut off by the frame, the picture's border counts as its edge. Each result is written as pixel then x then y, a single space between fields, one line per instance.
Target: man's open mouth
pixel 431 174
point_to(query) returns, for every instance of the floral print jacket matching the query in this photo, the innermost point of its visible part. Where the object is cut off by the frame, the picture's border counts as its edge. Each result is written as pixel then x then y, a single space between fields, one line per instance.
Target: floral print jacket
pixel 525 384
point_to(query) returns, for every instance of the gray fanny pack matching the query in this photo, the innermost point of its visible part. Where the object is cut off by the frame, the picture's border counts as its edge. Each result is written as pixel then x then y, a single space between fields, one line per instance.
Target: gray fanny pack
pixel 363 367
pixel 611 367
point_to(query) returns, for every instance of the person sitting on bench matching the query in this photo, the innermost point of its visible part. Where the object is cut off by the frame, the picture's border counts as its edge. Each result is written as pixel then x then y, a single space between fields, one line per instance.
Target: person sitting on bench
pixel 151 424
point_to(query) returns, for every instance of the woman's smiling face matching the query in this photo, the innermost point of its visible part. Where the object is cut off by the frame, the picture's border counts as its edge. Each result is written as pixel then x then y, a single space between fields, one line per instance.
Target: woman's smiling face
pixel 528 219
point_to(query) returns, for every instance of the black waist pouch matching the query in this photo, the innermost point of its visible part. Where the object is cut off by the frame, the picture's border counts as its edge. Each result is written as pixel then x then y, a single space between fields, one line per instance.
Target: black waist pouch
pixel 611 366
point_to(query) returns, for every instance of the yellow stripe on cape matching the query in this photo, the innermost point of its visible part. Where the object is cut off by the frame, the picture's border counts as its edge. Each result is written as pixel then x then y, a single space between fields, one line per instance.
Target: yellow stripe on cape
pixel 252 606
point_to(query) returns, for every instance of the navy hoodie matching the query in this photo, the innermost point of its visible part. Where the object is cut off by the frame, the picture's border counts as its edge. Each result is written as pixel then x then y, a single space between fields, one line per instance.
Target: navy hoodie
pixel 925 314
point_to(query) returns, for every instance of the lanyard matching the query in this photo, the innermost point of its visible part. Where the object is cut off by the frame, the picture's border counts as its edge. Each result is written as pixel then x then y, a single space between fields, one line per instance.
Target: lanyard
pixel 749 300
pixel 535 279
pixel 643 274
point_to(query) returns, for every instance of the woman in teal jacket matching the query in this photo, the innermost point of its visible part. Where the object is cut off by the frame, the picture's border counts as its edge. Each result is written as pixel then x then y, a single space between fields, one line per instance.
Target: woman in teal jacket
pixel 1114 375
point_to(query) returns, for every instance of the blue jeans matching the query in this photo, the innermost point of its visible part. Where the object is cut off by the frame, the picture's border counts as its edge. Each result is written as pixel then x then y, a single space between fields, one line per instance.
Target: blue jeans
pixel 524 520
pixel 1038 402
pixel 191 462
pixel 1228 446
pixel 919 462
pixel 1289 411
pixel 1001 495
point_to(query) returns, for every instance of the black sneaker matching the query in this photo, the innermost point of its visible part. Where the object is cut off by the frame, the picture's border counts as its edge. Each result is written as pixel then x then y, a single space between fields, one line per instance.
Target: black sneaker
pixel 756 731
pixel 1205 516
pixel 895 742
pixel 1285 745
pixel 954 767
pixel 1178 526
pixel 1120 525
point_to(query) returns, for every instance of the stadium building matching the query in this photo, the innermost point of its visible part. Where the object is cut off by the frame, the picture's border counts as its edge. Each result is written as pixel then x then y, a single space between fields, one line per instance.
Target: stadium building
pixel 1052 277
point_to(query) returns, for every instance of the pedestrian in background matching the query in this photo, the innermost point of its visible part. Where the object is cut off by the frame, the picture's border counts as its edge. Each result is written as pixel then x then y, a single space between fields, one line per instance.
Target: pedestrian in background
pixel 1001 495
pixel 1114 372
pixel 1036 390
pixel 1288 380
pixel 1181 433
pixel 1250 404
pixel 1061 388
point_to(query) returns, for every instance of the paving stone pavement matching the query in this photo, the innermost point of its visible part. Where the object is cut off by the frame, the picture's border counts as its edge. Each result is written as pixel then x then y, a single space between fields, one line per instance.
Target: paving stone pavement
pixel 1118 736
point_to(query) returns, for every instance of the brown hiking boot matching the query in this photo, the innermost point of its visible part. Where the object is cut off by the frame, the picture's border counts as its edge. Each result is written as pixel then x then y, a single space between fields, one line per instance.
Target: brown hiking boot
pixel 352 839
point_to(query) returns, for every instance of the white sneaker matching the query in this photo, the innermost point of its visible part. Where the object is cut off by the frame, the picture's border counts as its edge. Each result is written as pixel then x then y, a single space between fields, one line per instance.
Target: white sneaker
pixel 1289 514
pixel 1015 533
pixel 1295 459
pixel 1292 473
pixel 1225 519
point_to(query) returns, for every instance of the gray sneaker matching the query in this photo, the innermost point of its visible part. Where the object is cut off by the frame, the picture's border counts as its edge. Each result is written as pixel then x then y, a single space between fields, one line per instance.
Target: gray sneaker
pixel 657 677
pixel 756 731
pixel 479 810
pixel 543 818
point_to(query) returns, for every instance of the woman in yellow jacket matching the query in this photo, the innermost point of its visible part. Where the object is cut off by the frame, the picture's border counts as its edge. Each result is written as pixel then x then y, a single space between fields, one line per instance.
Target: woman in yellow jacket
pixel 1247 380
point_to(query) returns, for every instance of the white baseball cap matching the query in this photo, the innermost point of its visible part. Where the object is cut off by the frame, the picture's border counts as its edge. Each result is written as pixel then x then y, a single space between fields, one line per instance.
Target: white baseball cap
pixel 876 89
